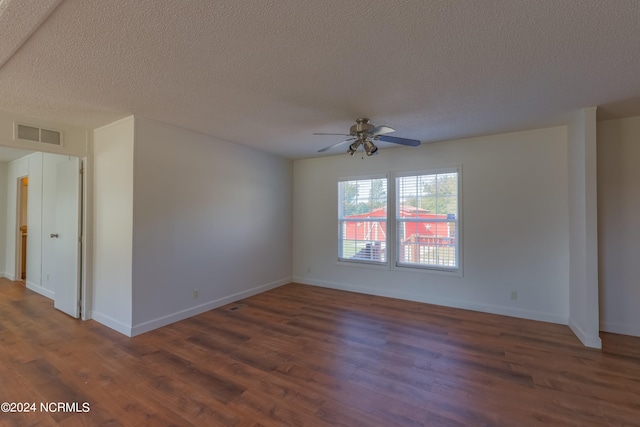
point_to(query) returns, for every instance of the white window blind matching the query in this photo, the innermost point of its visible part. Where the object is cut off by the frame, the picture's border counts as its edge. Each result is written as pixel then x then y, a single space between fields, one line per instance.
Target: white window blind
pixel 362 220
pixel 427 220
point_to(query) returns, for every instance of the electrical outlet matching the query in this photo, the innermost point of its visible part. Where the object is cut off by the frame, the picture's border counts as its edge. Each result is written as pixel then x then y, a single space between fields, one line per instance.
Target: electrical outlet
pixel 196 293
pixel 514 295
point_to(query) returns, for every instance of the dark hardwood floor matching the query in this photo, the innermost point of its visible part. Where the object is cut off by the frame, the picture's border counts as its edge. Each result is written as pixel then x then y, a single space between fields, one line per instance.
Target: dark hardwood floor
pixel 306 356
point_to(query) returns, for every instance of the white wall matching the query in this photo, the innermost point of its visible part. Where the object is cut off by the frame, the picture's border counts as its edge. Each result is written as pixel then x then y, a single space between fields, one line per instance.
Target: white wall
pixel 4 183
pixel 514 225
pixel 619 225
pixel 583 228
pixel 113 225
pixel 208 215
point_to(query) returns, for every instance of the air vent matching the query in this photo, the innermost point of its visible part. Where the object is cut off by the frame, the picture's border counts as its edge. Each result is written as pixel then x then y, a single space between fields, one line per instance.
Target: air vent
pixel 50 136
pixel 29 133
pixel 36 134
pixel 236 307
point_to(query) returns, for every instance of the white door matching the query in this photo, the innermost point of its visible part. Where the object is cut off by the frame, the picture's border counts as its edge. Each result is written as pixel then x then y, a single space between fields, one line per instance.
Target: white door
pixel 67 237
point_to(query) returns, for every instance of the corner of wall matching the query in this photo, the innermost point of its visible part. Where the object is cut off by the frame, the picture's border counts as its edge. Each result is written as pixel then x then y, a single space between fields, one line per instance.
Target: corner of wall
pixel 112 323
pixel 589 340
pixel 112 207
pixel 583 227
pixel 150 325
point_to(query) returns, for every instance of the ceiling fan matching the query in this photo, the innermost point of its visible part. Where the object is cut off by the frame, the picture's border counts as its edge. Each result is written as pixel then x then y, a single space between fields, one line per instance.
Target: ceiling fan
pixel 364 133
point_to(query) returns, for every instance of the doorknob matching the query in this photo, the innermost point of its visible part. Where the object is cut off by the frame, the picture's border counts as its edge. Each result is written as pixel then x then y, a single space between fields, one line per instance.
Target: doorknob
pixel 55 235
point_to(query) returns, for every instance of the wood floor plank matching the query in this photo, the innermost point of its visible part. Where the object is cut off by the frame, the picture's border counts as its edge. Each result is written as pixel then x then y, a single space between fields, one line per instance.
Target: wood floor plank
pixel 309 356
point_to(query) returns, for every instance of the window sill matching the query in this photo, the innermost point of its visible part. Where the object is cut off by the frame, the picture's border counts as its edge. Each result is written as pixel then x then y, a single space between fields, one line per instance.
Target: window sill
pixel 445 272
pixel 363 264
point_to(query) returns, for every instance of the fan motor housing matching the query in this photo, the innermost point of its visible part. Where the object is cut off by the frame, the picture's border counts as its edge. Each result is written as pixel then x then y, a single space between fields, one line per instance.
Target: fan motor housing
pixel 361 126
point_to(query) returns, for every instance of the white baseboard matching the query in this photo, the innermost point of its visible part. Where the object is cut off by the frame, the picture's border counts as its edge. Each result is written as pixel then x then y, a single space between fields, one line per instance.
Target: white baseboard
pixel 11 277
pixel 112 323
pixel 589 340
pixel 620 328
pixel 465 305
pixel 39 289
pixel 150 325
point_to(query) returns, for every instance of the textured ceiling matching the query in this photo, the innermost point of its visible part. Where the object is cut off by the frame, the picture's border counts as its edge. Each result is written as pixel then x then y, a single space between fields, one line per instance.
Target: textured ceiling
pixel 269 73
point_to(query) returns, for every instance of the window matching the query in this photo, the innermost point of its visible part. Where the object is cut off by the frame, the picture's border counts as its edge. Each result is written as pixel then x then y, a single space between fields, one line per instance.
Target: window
pixel 427 220
pixel 425 224
pixel 362 220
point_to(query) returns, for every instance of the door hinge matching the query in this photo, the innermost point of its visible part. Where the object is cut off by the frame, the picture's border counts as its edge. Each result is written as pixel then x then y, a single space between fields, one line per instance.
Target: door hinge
pixel 81 171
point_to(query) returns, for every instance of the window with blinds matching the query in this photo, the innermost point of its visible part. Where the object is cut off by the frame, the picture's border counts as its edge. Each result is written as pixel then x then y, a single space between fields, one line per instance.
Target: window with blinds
pixel 362 220
pixel 427 220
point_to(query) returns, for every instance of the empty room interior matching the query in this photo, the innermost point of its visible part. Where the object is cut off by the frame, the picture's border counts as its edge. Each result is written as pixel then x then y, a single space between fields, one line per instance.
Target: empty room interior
pixel 319 213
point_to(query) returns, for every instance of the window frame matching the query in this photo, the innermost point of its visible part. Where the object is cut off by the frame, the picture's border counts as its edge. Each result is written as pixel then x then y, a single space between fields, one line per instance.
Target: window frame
pixel 397 264
pixel 341 218
pixel 392 245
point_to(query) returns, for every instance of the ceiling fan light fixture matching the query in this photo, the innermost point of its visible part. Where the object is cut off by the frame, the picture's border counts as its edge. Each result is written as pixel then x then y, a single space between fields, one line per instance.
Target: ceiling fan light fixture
pixel 353 148
pixel 370 148
pixel 364 133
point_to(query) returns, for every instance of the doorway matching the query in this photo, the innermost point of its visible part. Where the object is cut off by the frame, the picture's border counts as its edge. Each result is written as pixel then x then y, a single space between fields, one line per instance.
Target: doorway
pixel 48 227
pixel 22 228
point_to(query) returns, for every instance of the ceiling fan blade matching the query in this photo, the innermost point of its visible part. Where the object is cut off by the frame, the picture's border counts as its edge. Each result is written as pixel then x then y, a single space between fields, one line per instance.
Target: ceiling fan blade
pixel 401 141
pixel 340 134
pixel 335 145
pixel 380 130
